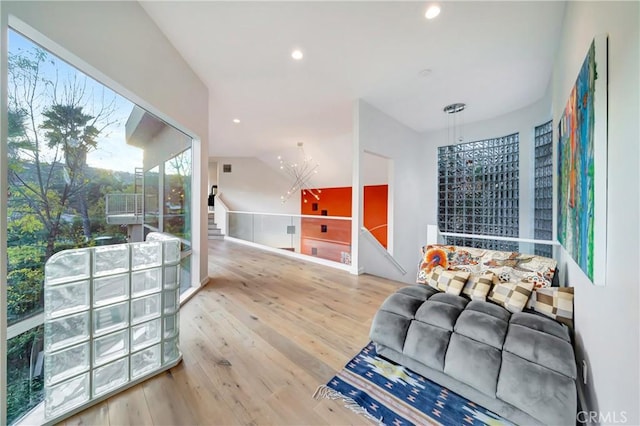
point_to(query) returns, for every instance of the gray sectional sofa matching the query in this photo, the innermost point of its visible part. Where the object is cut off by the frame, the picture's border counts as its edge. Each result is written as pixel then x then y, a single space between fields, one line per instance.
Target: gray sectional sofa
pixel 519 365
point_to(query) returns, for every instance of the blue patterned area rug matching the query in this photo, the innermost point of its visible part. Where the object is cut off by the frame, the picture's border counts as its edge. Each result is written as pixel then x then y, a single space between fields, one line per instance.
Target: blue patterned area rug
pixel 390 394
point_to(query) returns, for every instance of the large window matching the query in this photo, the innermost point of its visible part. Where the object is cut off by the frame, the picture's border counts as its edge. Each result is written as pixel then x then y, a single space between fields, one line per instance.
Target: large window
pixel 543 227
pixel 167 193
pixel 177 195
pixel 66 152
pixel 151 197
pixel 478 191
pixel 75 159
pixel 177 211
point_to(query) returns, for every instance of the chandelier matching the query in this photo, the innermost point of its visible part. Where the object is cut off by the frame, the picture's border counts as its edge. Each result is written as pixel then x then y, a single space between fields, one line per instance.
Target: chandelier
pixel 301 173
pixel 454 131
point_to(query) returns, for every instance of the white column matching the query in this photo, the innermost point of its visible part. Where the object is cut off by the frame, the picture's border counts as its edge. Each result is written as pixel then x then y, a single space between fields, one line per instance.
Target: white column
pixel 356 192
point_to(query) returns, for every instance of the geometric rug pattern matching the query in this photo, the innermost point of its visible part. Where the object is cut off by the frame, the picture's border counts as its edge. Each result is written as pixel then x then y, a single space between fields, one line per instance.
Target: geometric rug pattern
pixel 390 394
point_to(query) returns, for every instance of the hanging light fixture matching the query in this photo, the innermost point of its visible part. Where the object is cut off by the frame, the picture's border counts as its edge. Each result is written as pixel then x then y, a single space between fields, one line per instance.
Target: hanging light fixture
pixel 301 173
pixel 454 134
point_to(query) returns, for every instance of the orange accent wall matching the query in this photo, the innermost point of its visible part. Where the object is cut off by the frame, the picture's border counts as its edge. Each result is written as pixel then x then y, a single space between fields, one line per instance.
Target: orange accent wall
pixel 331 244
pixel 337 202
pixel 375 211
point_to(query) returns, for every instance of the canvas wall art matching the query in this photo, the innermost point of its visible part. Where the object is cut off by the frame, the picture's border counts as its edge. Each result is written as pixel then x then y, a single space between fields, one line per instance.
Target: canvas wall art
pixel 582 166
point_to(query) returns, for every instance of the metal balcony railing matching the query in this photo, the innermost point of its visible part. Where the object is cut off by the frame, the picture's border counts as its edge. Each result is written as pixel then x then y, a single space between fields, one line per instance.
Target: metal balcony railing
pixel 124 209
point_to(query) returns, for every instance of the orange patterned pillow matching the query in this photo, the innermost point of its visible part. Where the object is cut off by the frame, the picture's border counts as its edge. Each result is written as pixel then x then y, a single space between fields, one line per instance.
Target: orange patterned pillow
pixel 435 256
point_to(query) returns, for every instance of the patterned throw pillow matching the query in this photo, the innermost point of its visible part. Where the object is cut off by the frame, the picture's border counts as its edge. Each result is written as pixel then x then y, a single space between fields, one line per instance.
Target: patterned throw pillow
pixel 538 279
pixel 479 286
pixel 512 296
pixel 515 267
pixel 556 303
pixel 450 282
pixel 433 256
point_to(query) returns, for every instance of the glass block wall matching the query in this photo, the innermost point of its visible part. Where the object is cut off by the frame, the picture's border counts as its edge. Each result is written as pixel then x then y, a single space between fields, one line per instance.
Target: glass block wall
pixel 478 191
pixel 111 317
pixel 543 216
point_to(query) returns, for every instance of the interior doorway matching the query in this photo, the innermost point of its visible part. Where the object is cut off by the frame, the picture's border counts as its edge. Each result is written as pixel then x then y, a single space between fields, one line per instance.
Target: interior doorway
pixel 377 200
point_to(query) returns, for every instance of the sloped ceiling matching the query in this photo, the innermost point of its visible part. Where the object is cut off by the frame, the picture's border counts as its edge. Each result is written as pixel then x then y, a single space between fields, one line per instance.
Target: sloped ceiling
pixel 494 56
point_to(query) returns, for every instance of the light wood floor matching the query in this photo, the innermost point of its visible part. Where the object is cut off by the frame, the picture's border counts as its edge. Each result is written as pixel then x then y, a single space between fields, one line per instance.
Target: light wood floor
pixel 256 342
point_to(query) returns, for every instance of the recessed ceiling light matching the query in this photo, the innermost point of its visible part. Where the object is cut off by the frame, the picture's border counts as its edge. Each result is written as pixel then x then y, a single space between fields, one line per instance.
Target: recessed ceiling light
pixel 432 11
pixel 297 54
pixel 236 120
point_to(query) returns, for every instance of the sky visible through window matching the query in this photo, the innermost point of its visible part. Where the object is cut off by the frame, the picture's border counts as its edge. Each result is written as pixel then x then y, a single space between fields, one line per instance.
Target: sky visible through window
pixel 112 152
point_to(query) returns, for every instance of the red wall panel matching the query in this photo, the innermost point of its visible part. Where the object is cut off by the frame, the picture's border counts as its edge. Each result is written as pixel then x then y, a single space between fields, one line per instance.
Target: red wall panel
pixel 375 211
pixel 336 201
pixel 337 238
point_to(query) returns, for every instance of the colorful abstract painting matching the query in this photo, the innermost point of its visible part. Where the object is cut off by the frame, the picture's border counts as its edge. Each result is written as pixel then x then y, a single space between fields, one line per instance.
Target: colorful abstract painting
pixel 582 166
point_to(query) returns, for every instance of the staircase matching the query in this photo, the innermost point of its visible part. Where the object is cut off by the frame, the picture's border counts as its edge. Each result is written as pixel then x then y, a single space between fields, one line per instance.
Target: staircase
pixel 213 231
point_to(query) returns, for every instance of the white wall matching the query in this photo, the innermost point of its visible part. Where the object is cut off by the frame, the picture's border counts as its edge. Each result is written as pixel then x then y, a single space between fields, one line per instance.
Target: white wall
pixel 118 44
pixel 607 317
pixel 375 169
pixel 333 157
pixel 255 186
pixel 213 174
pixel 376 132
pixel 522 121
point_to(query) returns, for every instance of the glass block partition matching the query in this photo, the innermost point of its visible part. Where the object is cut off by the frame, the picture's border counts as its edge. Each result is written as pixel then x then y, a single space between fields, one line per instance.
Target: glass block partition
pixel 478 190
pixel 111 319
pixel 543 227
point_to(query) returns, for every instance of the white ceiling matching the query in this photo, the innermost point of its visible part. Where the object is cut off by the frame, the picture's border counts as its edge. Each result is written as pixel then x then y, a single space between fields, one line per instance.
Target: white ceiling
pixel 494 56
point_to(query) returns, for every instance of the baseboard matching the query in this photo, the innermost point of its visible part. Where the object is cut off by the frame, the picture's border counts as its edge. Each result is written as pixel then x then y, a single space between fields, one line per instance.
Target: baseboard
pixel 187 295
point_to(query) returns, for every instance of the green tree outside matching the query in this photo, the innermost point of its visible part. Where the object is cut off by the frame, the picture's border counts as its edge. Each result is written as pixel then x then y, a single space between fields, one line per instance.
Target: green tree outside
pixel 55 200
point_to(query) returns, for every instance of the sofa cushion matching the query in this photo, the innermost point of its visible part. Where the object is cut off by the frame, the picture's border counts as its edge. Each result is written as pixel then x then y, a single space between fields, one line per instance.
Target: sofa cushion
pixel 473 363
pixel 457 301
pixel 482 327
pixel 490 309
pixel 427 343
pixel 540 323
pixel 538 391
pixel 401 304
pixel 418 291
pixel 389 329
pixel 438 314
pixel 541 348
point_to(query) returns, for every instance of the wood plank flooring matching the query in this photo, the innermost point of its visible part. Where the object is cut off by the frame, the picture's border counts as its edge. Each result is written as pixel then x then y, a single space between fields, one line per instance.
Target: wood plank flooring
pixel 256 343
